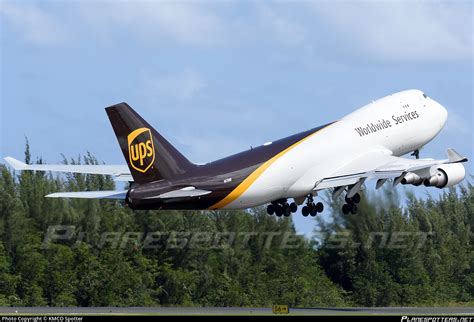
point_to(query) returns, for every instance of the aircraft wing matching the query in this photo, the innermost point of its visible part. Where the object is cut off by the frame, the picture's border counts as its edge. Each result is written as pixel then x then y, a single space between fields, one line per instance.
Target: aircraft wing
pixel 118 172
pixel 381 165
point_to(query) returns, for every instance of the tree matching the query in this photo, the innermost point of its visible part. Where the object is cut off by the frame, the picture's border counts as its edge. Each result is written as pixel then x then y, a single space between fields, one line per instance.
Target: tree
pixel 386 255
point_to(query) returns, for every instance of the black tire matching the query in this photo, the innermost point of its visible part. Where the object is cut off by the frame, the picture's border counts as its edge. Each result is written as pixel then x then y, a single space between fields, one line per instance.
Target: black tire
pixel 356 198
pixel 312 210
pixel 319 207
pixel 293 207
pixel 278 210
pixel 348 200
pixel 305 211
pixel 286 210
pixel 354 209
pixel 346 209
pixel 270 209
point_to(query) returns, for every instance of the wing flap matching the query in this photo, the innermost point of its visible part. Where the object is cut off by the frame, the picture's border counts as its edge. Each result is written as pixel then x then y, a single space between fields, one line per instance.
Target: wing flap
pixel 337 182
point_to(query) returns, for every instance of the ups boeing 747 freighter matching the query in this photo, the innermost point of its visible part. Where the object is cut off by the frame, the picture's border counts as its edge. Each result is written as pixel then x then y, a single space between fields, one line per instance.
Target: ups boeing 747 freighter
pixel 341 156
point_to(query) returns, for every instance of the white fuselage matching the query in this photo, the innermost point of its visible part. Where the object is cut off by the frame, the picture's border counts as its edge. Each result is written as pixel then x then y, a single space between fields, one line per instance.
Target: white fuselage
pixel 399 123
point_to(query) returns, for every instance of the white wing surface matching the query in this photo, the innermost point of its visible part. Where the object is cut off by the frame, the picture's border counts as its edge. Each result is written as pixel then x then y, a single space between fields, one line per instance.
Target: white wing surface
pixel 381 165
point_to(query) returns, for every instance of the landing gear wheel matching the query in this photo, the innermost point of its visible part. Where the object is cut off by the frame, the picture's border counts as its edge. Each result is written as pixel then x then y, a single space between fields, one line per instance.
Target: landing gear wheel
pixel 353 209
pixel 319 207
pixel 345 209
pixel 313 211
pixel 348 200
pixel 305 211
pixel 356 198
pixel 270 209
pixel 278 210
pixel 286 210
pixel 293 207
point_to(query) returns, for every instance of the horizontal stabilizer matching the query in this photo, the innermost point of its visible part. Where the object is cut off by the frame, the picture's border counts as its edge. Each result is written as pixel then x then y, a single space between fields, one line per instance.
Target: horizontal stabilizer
pixel 118 172
pixel 16 164
pixel 105 194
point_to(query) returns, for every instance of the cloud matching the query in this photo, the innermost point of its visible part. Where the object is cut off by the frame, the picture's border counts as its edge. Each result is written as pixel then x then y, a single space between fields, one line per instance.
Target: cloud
pixel 403 30
pixel 385 30
pixel 35 25
pixel 183 22
pixel 202 148
pixel 457 124
pixel 184 85
pixel 283 29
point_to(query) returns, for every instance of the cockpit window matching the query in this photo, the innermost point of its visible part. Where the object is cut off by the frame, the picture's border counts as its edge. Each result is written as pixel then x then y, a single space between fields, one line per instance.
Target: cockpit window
pixel 425 96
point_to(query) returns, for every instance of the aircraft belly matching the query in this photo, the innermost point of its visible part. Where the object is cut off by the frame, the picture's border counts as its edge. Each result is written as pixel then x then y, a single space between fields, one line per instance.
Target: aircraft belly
pixel 276 182
pixel 256 198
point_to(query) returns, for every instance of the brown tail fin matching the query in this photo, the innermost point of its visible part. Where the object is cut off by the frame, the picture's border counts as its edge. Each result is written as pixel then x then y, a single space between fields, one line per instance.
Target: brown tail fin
pixel 149 156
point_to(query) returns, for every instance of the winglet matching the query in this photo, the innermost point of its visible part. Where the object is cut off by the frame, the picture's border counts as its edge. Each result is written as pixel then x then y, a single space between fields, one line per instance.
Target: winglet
pixel 16 164
pixel 454 157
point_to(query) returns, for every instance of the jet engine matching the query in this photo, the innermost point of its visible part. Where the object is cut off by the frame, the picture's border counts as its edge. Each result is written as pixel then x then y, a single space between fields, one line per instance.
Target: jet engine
pixel 412 178
pixel 129 199
pixel 445 175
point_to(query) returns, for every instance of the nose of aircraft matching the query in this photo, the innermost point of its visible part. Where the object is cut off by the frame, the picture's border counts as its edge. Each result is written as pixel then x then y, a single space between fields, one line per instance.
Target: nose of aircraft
pixel 442 113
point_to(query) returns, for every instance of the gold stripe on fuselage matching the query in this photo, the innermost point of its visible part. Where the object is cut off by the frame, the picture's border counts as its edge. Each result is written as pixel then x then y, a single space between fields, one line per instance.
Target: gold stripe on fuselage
pixel 242 187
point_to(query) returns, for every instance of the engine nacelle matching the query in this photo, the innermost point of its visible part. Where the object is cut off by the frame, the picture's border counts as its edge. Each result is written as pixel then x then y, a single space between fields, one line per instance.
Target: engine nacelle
pixel 446 175
pixel 412 178
pixel 129 200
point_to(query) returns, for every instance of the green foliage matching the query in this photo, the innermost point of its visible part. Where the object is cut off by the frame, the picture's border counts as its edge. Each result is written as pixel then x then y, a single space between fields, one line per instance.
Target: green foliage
pixel 419 255
pixel 117 257
pixel 196 258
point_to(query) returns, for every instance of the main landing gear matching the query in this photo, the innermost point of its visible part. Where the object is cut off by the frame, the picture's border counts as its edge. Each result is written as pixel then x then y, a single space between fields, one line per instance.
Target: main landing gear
pixel 351 204
pixel 311 208
pixel 281 207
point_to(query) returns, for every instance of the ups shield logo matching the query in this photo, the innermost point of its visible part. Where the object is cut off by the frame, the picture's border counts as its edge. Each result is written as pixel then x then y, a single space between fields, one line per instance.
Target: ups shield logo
pixel 141 150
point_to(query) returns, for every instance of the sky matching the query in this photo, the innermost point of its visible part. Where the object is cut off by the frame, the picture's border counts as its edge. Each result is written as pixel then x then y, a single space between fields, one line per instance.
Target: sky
pixel 216 77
